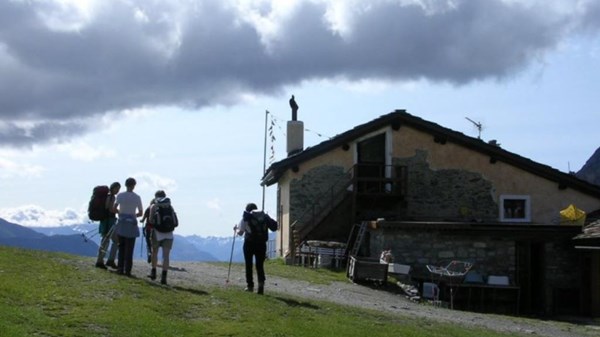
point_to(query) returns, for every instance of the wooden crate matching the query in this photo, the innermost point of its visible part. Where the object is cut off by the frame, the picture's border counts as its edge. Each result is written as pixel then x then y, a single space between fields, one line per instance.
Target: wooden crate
pixel 367 269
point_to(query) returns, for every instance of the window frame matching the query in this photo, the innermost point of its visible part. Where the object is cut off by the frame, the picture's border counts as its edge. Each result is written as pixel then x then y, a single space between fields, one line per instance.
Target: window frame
pixel 526 212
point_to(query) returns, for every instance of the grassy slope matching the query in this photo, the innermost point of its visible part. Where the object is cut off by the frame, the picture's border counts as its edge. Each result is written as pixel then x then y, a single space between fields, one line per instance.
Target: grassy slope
pixel 50 294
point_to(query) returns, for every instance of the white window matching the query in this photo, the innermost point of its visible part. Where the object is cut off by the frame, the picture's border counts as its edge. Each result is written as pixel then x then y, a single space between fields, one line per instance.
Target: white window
pixel 515 208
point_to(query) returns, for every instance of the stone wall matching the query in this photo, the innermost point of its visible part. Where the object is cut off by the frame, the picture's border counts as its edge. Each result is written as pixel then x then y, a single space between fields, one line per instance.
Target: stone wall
pixel 562 264
pixel 314 186
pixel 562 275
pixel 448 194
pixel 490 255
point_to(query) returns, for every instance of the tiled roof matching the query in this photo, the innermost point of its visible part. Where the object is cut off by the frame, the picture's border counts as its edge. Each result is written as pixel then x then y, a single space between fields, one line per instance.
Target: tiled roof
pixel 591 231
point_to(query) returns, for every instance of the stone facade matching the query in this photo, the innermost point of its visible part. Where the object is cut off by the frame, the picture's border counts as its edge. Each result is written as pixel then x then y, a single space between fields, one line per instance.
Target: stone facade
pixel 448 194
pixel 314 184
pixel 490 255
pixel 557 285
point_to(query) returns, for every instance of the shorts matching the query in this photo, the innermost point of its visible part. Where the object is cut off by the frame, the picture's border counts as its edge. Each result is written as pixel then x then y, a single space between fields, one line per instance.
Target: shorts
pixel 164 243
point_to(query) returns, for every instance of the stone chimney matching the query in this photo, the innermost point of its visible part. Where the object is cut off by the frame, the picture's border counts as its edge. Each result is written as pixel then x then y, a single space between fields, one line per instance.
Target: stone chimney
pixel 295 131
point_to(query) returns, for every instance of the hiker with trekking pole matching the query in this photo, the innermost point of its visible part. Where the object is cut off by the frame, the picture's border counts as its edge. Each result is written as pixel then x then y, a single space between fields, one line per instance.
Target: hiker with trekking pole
pixel 107 229
pixel 254 226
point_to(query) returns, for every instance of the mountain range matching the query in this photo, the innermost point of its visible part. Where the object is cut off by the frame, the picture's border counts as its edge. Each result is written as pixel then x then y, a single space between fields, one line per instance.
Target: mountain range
pixel 83 239
pixel 18 236
pixel 590 172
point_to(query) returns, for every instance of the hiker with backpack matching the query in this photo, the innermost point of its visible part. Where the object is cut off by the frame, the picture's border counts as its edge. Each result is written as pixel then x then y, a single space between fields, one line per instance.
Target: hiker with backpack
pixel 128 205
pixel 254 227
pixel 107 228
pixel 163 220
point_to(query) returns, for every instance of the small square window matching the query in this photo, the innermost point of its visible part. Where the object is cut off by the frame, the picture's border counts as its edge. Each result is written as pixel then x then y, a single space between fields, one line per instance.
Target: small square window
pixel 515 208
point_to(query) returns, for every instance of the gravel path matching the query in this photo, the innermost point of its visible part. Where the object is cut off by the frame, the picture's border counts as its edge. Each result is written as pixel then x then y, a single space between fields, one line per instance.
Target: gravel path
pixel 193 274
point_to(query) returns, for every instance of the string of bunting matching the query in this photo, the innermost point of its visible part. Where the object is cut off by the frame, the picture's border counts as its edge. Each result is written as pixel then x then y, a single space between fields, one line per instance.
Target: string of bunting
pixel 276 122
pixel 272 138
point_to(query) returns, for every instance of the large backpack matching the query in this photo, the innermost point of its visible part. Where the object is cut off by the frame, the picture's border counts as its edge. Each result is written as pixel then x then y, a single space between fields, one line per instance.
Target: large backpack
pixel 260 223
pixel 97 210
pixel 164 218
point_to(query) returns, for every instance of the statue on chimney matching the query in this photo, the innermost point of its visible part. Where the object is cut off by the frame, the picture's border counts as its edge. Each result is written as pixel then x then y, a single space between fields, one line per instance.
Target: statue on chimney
pixel 294 107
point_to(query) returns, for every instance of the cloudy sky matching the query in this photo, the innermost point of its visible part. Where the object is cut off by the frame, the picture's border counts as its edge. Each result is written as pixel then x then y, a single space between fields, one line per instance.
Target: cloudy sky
pixel 174 93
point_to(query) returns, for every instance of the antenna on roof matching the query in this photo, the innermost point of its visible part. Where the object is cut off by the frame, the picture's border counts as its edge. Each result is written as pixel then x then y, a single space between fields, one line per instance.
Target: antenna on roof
pixel 478 125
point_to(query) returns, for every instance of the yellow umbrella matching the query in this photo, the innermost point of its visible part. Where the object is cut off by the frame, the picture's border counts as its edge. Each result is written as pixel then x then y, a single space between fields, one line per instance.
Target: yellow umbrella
pixel 572 216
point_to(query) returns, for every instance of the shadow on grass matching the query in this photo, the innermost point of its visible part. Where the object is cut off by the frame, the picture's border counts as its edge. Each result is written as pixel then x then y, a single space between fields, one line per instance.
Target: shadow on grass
pixel 190 290
pixel 294 303
pixel 178 288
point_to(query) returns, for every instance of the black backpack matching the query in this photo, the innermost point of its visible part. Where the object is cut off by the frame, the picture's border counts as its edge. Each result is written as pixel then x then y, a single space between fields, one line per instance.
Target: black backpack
pixel 164 218
pixel 97 210
pixel 260 223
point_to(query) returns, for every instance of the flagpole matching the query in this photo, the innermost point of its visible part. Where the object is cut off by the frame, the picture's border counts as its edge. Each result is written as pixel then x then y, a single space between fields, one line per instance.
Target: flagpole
pixel 265 159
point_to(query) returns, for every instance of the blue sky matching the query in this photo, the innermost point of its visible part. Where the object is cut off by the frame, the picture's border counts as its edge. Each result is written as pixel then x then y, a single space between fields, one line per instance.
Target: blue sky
pixel 175 93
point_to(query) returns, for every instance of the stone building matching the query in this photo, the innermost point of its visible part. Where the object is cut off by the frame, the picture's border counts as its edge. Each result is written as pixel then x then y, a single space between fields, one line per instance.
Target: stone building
pixel 435 195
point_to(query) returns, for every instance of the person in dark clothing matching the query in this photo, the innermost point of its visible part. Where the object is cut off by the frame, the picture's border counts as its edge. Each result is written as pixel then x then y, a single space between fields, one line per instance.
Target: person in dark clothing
pixel 253 227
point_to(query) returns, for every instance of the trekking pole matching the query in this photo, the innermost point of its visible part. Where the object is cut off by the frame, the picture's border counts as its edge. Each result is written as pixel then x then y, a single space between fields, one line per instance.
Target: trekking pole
pixel 86 237
pixel 108 237
pixel 231 255
pixel 143 239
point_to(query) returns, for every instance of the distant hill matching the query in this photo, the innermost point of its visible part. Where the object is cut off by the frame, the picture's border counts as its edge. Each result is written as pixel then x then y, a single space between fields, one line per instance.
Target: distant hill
pixel 185 248
pixel 18 236
pixel 10 230
pixel 590 172
pixel 220 247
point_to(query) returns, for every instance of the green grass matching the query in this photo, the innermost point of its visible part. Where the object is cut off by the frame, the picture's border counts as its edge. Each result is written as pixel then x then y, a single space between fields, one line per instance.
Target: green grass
pixel 50 294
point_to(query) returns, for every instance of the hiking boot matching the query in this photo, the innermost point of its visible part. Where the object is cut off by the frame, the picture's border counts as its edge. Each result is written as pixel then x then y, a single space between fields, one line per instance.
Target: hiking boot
pixel 111 263
pixel 152 275
pixel 163 277
pixel 249 289
pixel 261 289
pixel 100 265
pixel 149 258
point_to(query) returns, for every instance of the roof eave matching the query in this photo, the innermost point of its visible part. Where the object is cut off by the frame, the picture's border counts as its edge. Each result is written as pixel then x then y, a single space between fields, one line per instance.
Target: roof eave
pixel 442 134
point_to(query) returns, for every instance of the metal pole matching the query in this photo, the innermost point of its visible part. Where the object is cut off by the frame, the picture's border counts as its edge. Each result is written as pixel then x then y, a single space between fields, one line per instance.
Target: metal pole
pixel 231 256
pixel 264 159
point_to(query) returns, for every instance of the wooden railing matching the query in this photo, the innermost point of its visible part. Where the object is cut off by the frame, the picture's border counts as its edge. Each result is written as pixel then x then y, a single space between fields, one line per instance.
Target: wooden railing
pixel 360 180
pixel 319 209
pixel 380 180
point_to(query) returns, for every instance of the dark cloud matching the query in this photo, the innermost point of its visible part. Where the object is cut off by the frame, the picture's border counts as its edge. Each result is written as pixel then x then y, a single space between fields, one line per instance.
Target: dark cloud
pixel 591 18
pixel 204 53
pixel 26 134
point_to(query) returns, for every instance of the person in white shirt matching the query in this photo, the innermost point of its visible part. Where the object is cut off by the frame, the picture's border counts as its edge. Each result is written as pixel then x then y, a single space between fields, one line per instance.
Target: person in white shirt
pixel 128 206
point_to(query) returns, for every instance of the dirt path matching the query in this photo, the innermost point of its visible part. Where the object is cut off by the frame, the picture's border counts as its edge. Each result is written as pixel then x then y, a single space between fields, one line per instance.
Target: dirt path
pixel 346 293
